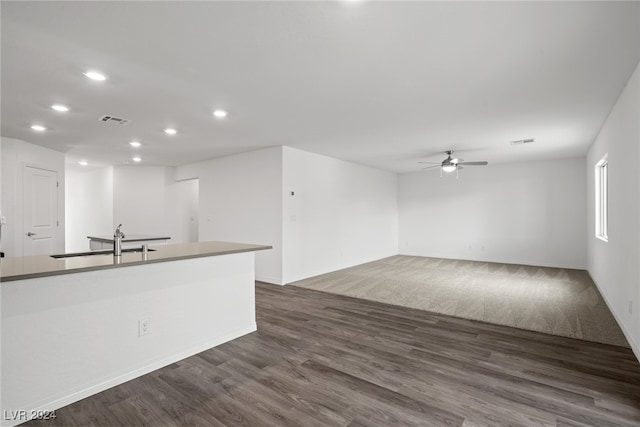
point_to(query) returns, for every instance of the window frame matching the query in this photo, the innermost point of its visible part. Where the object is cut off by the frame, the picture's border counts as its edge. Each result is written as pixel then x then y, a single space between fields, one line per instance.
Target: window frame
pixel 602 198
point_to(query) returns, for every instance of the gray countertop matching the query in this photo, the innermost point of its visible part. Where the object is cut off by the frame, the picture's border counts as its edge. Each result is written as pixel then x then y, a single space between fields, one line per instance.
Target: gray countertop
pixel 18 268
pixel 128 238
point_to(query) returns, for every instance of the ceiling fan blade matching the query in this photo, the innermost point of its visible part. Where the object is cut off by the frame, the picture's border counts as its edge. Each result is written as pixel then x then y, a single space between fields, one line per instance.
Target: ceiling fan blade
pixel 474 163
pixel 431 163
pixel 458 161
pixel 431 167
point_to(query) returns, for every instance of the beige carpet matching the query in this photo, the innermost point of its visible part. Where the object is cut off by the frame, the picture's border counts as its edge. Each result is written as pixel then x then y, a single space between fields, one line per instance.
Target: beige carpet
pixel 551 300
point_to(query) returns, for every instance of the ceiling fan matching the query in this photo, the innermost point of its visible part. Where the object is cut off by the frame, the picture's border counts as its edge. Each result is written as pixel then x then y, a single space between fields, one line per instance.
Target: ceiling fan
pixel 451 164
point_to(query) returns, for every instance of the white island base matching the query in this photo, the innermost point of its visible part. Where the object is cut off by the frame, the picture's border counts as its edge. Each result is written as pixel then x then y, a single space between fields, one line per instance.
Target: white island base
pixel 69 336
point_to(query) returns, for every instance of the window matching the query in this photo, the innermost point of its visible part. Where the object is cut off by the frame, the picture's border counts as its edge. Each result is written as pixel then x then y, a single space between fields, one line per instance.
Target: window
pixel 602 198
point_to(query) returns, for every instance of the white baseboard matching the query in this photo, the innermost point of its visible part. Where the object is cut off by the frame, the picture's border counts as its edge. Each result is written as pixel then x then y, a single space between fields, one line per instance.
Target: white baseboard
pixel 497 260
pixel 634 346
pixel 90 390
pixel 336 267
pixel 269 279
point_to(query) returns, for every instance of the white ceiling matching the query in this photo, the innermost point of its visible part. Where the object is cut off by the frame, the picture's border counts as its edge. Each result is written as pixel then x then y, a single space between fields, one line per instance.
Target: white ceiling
pixel 379 83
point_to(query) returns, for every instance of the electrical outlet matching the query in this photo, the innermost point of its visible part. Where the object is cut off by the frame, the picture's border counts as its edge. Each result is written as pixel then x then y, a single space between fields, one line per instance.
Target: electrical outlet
pixel 630 307
pixel 144 327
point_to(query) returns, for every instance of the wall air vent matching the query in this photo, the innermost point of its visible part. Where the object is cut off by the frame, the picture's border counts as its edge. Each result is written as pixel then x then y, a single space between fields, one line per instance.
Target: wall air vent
pixel 114 120
pixel 523 141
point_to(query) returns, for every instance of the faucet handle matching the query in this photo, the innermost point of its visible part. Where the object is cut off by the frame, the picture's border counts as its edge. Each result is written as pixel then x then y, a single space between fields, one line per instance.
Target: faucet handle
pixel 118 233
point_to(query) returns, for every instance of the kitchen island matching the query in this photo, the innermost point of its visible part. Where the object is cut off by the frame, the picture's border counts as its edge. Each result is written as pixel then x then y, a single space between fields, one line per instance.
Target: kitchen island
pixel 72 327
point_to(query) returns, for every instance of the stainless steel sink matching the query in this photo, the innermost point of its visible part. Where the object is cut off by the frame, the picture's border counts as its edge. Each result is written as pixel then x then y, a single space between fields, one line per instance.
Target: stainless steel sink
pixel 91 253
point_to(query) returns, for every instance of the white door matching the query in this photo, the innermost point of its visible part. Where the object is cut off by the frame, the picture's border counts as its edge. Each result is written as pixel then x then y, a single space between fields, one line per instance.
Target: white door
pixel 40 202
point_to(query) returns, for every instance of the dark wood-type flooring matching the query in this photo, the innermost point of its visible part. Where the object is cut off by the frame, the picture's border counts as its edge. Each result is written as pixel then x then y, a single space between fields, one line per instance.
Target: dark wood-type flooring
pixel 327 360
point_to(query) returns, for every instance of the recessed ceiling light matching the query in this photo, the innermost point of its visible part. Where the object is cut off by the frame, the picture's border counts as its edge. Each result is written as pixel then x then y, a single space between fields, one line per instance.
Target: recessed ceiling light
pixel 136 159
pixel 135 144
pixel 38 128
pixel 220 114
pixel 83 162
pixel 170 131
pixel 61 108
pixel 95 75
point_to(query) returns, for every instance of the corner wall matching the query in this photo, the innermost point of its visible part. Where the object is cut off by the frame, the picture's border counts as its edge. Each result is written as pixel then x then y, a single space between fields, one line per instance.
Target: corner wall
pixel 341 214
pixel 241 201
pixel 614 265
pixel 145 199
pixel 522 213
pixel 149 200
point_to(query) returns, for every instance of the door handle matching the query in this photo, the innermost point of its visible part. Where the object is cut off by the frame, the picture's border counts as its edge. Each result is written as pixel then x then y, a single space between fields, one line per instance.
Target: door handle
pixel 31 234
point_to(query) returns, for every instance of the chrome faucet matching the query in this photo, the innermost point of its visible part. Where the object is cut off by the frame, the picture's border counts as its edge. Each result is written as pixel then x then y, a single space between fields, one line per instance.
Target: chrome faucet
pixel 117 241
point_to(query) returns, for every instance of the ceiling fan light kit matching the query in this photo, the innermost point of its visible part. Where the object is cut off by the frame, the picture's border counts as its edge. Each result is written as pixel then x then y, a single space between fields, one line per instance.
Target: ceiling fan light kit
pixel 450 164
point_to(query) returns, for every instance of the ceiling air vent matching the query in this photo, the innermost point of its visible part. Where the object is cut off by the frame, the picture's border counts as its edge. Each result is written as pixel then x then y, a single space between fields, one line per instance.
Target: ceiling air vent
pixel 114 120
pixel 523 141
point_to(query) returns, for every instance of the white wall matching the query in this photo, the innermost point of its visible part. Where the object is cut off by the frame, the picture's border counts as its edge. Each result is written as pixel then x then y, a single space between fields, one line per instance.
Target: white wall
pixel 1 224
pixel 145 199
pixel 182 198
pixel 16 154
pixel 614 264
pixel 2 218
pixel 524 213
pixel 341 214
pixel 148 200
pixel 241 201
pixel 89 205
pixel 139 199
